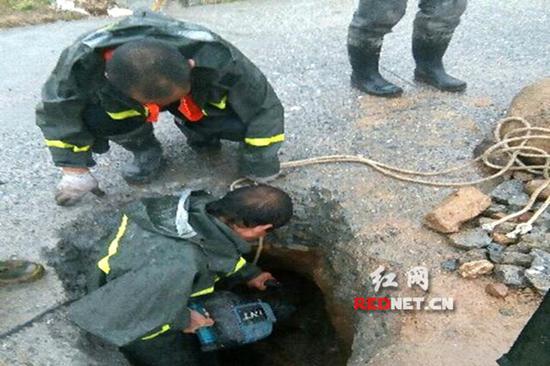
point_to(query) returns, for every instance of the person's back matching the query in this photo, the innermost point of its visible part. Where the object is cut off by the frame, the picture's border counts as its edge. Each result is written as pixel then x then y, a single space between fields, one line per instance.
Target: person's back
pixel 167 251
pixel 111 84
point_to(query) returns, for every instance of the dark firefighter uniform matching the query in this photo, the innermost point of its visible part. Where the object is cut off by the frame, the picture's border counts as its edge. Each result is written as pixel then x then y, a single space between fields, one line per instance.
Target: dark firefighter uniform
pixel 230 97
pixel 165 252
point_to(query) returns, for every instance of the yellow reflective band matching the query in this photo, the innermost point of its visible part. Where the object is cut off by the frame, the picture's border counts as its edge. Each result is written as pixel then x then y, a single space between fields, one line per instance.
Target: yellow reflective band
pixel 64 145
pixel 240 264
pixel 124 114
pixel 222 104
pixel 165 328
pixel 103 264
pixel 203 292
pixel 265 141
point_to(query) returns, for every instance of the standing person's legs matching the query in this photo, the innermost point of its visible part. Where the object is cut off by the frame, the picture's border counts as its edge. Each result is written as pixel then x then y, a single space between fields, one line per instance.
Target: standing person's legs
pixel 433 30
pixel 133 135
pixel 372 20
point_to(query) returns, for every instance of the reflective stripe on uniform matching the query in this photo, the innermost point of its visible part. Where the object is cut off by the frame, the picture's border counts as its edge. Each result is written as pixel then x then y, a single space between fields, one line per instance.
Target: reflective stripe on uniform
pixel 124 114
pixel 265 141
pixel 203 292
pixel 240 264
pixel 165 328
pixel 103 264
pixel 222 104
pixel 65 145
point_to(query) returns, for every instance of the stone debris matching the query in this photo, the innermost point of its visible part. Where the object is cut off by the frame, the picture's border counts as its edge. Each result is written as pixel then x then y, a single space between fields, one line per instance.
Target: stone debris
pixel 537 240
pixel 476 268
pixel 539 273
pixel 510 193
pixel 533 185
pixel 516 258
pixel 503 228
pixel 520 248
pixel 496 251
pixel 539 279
pixel 473 255
pixel 523 176
pixel 450 265
pixel 463 205
pixel 499 290
pixel 501 238
pixel 495 210
pixel 470 239
pixel 523 260
pixel 511 275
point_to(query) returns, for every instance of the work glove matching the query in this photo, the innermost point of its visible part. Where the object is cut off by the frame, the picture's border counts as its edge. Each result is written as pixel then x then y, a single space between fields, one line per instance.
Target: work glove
pixel 73 186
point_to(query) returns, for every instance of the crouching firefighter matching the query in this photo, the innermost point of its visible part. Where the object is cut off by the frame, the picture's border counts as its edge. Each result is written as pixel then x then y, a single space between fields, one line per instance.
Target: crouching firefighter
pixel 161 267
pixel 112 83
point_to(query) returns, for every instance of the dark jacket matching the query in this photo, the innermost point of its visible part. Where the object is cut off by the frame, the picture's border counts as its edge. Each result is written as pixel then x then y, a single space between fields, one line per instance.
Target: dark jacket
pixel 223 79
pixel 165 251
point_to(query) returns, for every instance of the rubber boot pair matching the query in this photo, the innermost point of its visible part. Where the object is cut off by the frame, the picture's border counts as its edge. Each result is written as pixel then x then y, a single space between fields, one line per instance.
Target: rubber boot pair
pixel 428 55
pixel 147 151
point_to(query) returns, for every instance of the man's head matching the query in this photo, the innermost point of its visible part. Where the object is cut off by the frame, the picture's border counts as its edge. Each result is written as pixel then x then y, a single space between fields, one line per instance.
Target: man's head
pixel 149 71
pixel 252 211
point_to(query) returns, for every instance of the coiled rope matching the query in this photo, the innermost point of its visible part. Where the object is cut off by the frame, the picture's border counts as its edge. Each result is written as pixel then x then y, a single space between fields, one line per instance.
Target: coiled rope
pixel 512 145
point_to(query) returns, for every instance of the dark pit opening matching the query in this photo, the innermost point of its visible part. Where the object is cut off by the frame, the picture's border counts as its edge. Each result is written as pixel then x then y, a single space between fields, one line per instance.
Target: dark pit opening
pixel 308 337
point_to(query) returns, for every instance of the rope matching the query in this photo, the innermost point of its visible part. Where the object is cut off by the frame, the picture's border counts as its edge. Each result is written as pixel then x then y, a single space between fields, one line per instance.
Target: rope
pixel 513 145
pixel 259 250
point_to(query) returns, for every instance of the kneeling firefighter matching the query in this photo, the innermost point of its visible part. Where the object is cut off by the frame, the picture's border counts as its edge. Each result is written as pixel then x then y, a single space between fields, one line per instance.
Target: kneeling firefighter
pixel 154 285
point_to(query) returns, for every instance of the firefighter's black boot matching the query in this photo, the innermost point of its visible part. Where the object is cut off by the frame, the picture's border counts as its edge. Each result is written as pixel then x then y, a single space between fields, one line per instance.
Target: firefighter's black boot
pixel 428 55
pixel 145 147
pixel 365 75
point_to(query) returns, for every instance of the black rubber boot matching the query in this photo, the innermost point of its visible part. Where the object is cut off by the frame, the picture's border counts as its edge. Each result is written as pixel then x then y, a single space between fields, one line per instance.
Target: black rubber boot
pixel 365 75
pixel 145 147
pixel 428 55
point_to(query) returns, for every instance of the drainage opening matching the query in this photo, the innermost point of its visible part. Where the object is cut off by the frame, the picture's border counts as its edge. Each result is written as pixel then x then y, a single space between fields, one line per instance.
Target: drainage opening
pixel 307 337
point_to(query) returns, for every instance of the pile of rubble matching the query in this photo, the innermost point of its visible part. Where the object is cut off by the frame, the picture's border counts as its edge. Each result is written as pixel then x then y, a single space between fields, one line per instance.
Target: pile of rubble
pixel 520 262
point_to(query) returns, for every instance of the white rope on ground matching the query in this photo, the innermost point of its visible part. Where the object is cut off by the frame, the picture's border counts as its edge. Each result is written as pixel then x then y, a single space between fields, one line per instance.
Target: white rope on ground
pixel 512 144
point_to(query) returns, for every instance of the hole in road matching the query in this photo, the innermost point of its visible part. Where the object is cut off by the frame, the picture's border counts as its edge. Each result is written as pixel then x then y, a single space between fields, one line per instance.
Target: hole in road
pixel 308 337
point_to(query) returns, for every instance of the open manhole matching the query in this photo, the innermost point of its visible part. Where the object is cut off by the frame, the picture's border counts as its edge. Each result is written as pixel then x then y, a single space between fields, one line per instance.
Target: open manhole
pixel 307 337
pixel 319 332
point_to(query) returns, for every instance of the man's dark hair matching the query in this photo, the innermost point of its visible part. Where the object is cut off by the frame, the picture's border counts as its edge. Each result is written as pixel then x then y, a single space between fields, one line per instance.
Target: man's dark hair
pixel 252 206
pixel 149 68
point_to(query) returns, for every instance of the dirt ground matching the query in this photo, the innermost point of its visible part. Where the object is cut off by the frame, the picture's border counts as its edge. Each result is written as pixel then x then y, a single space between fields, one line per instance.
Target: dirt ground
pixel 424 130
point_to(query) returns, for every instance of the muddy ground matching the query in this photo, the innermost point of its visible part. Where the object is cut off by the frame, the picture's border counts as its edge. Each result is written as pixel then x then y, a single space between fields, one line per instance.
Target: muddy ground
pixel 363 219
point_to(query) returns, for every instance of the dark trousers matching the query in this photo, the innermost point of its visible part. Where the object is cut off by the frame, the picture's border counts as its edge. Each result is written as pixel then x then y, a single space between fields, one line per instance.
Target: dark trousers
pixel 104 128
pixel 532 348
pixel 373 19
pixel 210 129
pixel 173 348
